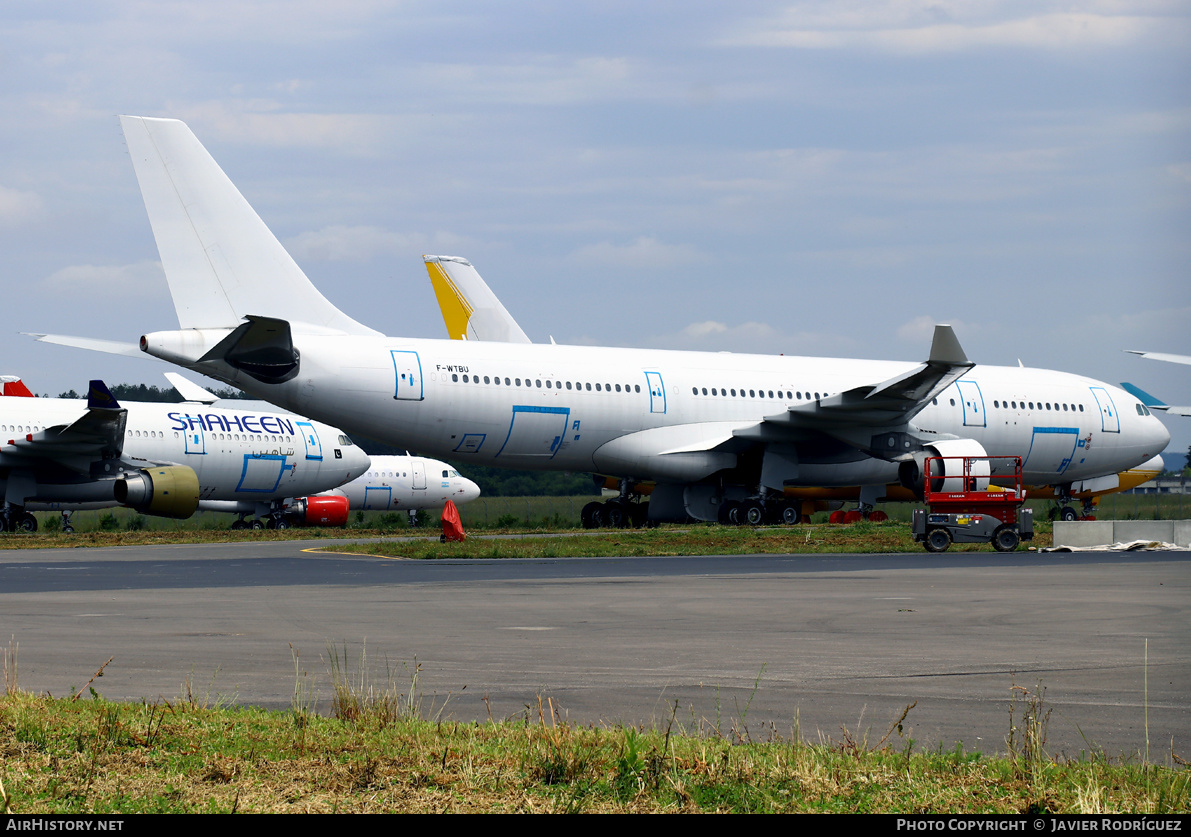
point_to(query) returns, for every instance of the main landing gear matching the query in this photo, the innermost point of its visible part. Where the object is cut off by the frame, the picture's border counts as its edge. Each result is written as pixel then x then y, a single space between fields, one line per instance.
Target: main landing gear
pixel 16 519
pixel 275 518
pixel 620 512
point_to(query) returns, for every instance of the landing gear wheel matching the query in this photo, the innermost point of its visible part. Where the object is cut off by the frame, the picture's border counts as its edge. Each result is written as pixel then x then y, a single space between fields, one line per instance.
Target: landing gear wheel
pixel 68 529
pixel 239 524
pixel 937 540
pixel 257 524
pixel 616 516
pixel 592 516
pixel 1005 539
pixel 789 515
pixel 753 512
pixel 282 523
pixel 25 522
pixel 729 513
pixel 1067 513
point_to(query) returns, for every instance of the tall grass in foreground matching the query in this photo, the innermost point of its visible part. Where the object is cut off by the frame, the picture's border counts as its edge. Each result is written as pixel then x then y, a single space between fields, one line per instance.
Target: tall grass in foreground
pixel 382 748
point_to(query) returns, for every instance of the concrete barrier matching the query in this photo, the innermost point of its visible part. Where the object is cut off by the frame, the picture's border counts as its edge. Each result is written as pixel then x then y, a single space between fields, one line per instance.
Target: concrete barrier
pixel 1077 533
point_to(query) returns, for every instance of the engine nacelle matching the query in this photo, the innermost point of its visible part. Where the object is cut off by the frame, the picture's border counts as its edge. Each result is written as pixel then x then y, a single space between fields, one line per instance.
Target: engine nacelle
pixel 945 475
pixel 324 510
pixel 167 491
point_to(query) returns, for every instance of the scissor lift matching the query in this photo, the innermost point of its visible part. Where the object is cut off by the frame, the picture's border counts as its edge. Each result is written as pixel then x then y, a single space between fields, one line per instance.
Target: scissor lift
pixel 965 506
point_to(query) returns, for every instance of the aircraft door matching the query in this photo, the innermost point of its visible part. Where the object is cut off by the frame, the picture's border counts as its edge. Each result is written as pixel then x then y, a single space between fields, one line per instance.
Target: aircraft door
pixel 973 403
pixel 418 471
pixel 314 446
pixel 196 441
pixel 1109 421
pixel 407 368
pixel 657 392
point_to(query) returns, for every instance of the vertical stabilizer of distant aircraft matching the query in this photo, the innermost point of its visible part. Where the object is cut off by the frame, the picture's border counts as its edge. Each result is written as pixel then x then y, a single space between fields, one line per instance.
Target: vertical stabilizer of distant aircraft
pixel 14 386
pixel 469 308
pixel 219 257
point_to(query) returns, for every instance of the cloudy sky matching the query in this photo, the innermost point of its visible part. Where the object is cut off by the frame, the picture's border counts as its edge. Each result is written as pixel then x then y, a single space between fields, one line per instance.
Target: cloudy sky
pixel 797 177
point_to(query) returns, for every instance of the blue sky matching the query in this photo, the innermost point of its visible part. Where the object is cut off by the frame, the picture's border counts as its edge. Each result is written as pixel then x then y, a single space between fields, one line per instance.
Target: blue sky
pixel 804 177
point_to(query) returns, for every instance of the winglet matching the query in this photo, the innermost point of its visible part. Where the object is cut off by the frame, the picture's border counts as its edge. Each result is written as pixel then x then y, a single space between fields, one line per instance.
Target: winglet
pixel 189 390
pixel 99 397
pixel 1143 396
pixel 945 348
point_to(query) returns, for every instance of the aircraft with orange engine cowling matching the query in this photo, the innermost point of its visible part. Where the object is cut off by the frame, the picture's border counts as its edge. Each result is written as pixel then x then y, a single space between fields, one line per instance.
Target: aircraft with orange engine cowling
pixel 709 429
pixel 168 460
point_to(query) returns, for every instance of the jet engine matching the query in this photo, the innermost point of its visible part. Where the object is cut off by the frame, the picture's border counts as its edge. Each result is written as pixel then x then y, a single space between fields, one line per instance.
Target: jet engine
pixel 325 510
pixel 167 491
pixel 944 475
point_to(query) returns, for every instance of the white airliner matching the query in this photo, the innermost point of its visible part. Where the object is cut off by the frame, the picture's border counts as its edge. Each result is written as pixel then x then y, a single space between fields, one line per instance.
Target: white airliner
pixel 404 482
pixel 407 483
pixel 471 311
pixel 164 459
pixel 708 428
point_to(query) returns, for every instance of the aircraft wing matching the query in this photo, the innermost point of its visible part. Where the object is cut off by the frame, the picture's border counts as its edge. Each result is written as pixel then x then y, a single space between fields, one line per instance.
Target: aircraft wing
pixel 886 404
pixel 1160 356
pixel 97 434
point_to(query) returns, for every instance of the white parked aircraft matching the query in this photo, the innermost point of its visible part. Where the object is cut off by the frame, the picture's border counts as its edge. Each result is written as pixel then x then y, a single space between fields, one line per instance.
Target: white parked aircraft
pixel 471 311
pixel 708 428
pixel 163 459
pixel 407 483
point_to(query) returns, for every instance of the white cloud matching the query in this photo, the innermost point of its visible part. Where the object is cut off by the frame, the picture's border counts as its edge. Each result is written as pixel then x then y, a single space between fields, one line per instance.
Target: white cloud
pixel 17 206
pixel 550 80
pixel 754 337
pixel 262 122
pixel 644 252
pixel 931 26
pixel 921 329
pixel 338 243
pixel 144 280
pixel 1182 171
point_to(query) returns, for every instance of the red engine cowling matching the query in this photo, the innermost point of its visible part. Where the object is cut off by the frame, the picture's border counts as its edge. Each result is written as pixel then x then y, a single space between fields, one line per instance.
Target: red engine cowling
pixel 325 510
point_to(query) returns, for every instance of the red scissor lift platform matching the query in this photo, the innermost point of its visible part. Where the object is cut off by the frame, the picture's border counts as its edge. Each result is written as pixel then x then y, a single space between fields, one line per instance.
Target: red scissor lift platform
pixel 973 499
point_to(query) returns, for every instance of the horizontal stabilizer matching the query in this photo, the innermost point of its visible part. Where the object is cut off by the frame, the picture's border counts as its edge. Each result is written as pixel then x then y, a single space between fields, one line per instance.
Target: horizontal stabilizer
pixel 95 344
pixel 221 261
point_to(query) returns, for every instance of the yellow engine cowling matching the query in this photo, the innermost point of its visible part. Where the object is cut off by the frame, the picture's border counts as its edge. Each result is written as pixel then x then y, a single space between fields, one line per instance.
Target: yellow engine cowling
pixel 166 491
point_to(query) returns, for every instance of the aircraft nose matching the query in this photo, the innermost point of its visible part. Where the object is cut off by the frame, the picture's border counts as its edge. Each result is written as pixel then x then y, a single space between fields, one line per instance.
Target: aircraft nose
pixel 468 491
pixel 1157 436
pixel 358 461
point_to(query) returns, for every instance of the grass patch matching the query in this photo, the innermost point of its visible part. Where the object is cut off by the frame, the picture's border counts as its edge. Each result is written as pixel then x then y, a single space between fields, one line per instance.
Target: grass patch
pixel 885 537
pixel 96 757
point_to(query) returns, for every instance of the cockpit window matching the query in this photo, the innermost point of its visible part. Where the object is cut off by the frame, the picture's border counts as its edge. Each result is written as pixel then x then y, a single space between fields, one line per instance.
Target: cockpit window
pixel 345 442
